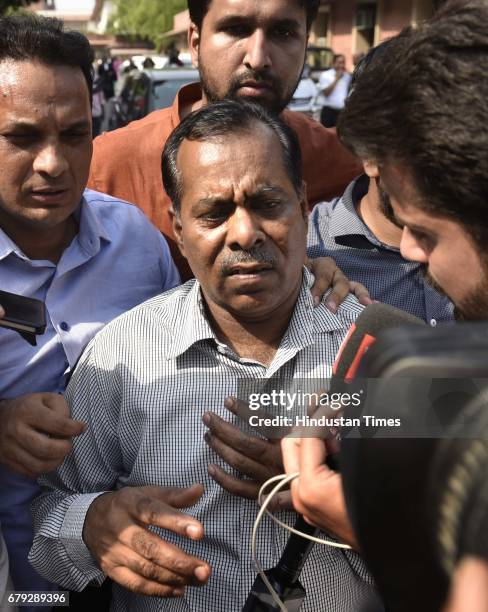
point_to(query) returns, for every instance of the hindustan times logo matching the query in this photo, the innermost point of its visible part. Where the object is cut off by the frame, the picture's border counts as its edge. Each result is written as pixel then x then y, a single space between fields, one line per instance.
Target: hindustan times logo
pixel 299 399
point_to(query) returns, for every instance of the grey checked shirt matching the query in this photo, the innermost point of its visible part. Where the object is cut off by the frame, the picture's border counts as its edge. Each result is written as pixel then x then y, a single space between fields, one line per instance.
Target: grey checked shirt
pixel 142 386
pixel 336 230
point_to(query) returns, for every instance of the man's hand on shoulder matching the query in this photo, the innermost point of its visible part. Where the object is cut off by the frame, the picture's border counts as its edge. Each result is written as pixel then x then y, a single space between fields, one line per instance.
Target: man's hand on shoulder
pixel 36 432
pixel 117 535
pixel 329 276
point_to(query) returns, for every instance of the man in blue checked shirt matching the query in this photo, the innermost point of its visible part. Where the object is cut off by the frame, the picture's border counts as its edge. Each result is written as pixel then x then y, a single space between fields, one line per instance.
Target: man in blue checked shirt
pixel 358 230
pixel 88 256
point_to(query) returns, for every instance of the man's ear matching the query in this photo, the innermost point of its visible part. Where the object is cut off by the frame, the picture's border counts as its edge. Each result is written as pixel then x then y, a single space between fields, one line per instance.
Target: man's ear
pixel 177 229
pixel 194 43
pixel 371 168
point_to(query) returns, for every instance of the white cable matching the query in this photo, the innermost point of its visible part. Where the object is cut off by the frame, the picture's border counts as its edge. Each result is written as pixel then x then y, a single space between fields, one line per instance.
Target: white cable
pixel 283 480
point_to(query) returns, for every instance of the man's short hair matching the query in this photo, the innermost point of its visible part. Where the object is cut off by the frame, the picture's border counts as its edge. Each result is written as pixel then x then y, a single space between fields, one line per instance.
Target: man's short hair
pixel 424 105
pixel 199 8
pixel 32 37
pixel 214 121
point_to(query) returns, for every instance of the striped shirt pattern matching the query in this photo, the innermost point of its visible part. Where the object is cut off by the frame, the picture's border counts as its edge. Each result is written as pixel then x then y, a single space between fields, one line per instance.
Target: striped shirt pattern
pixel 142 386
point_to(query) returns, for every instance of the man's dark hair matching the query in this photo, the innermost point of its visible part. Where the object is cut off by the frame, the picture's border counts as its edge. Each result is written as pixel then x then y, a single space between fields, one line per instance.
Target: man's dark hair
pixel 199 8
pixel 226 118
pixel 32 37
pixel 424 105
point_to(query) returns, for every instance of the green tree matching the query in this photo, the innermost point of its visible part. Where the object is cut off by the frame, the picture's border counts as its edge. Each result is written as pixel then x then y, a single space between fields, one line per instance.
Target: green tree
pixel 7 6
pixel 146 19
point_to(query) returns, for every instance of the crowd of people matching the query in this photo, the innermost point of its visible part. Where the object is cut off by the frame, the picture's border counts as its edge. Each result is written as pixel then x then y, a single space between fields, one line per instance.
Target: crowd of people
pixel 199 247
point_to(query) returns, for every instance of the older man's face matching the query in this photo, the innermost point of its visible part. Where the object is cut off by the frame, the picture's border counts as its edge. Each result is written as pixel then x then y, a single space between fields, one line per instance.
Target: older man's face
pixel 251 48
pixel 242 226
pixel 45 143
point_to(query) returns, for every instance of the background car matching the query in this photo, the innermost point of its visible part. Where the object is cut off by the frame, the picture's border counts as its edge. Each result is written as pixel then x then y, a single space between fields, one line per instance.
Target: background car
pixel 145 91
pixel 318 59
pixel 305 96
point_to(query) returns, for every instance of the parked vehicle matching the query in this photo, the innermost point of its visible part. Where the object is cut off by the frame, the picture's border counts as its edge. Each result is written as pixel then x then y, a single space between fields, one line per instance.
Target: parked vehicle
pixel 318 59
pixel 147 90
pixel 305 97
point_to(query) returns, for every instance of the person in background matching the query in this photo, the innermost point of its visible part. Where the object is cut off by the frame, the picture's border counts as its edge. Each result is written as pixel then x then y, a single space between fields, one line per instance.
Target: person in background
pixel 359 232
pixel 242 48
pixel 333 89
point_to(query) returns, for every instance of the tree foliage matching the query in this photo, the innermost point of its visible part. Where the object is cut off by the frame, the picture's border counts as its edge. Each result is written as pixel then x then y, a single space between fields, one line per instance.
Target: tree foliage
pixel 7 6
pixel 145 18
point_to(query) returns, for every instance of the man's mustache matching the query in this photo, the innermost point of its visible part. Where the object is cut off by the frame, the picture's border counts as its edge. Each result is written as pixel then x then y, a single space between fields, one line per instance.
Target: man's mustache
pixel 255 255
pixel 260 76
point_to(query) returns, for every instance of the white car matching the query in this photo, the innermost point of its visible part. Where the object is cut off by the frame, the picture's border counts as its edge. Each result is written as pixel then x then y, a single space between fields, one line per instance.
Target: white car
pixel 305 97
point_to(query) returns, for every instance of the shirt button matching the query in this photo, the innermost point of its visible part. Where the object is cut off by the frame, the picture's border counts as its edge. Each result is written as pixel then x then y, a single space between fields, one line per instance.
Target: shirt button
pixel 64 326
pixel 221 349
pixel 433 322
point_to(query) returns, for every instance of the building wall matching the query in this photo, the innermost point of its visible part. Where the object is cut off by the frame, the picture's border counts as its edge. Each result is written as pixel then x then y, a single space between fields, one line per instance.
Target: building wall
pixel 391 17
pixel 394 15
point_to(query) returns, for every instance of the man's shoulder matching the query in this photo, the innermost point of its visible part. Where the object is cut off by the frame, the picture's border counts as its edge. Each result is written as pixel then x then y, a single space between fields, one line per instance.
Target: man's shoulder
pixel 136 133
pixel 159 314
pixel 119 215
pixel 304 126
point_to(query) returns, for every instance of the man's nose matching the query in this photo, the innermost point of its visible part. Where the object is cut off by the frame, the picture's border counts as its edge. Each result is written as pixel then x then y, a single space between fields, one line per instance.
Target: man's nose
pixel 257 51
pixel 244 230
pixel 50 160
pixel 410 248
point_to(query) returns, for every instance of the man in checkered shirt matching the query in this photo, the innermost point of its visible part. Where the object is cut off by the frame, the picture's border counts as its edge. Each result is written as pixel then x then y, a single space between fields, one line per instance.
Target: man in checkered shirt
pixel 151 387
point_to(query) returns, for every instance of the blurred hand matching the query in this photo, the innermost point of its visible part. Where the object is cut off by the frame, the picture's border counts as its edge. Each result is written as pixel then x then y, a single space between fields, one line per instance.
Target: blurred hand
pixel 36 432
pixel 117 535
pixel 328 275
pixel 317 491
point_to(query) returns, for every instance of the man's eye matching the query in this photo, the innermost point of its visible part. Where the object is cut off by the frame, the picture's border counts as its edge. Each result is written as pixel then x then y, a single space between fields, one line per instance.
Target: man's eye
pixel 426 241
pixel 284 33
pixel 237 31
pixel 76 135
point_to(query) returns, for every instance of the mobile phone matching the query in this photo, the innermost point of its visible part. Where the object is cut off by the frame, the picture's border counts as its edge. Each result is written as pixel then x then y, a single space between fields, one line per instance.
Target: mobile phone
pixel 23 314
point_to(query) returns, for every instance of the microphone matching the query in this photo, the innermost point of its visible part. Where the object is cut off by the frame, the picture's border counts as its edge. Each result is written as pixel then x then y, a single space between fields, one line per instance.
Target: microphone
pixel 284 577
pixel 363 334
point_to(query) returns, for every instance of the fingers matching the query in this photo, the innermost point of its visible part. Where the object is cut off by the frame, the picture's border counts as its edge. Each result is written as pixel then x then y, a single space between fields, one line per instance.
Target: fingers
pixel 290 449
pixel 361 293
pixel 57 421
pixel 116 534
pixel 323 269
pixel 340 290
pixel 237 486
pixel 150 510
pixel 241 409
pixel 138 584
pixel 237 460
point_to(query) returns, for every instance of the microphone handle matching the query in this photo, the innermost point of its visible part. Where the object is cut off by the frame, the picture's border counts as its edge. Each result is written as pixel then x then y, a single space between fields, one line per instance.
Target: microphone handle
pixel 295 553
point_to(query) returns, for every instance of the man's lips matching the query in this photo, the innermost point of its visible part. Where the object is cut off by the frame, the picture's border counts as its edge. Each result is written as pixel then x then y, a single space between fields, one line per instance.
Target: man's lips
pixel 256 87
pixel 248 269
pixel 48 194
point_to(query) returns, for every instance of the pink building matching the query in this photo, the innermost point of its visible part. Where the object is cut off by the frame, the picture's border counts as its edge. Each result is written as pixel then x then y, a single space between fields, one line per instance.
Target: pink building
pixel 354 26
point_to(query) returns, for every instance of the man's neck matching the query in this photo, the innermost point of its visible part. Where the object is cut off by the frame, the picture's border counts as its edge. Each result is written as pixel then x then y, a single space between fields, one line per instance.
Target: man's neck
pixel 41 243
pixel 256 339
pixel 369 209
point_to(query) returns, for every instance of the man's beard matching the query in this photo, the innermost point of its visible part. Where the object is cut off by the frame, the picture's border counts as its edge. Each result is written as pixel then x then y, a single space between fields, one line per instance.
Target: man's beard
pixel 474 307
pixel 274 104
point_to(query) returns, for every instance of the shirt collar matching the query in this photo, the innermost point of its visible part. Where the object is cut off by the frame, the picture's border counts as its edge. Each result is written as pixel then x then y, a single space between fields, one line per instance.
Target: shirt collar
pixel 305 323
pixel 91 227
pixel 186 96
pixel 345 220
